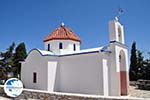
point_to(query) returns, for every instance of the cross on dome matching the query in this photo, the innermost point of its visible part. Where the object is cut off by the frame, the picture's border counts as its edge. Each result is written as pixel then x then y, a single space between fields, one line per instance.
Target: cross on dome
pixel 62 24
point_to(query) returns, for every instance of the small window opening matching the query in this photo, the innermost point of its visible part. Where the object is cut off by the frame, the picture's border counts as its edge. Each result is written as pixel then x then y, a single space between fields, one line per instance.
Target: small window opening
pixel 74 47
pixel 60 46
pixel 34 77
pixel 48 48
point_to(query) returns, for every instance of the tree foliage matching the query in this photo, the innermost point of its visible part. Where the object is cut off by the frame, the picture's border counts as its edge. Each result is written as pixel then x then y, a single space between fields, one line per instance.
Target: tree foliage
pixel 133 63
pixel 139 67
pixel 10 59
pixel 20 55
pixel 147 68
pixel 6 61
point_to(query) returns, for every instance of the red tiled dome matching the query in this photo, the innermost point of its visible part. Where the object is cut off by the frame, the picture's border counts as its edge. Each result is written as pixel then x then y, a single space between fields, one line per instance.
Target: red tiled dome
pixel 62 33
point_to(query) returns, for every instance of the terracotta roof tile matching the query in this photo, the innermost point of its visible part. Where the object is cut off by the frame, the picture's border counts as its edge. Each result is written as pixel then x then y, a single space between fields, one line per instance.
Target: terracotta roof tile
pixel 62 33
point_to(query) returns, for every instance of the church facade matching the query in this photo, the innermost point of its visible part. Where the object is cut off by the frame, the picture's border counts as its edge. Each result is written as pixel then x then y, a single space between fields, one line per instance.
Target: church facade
pixel 63 67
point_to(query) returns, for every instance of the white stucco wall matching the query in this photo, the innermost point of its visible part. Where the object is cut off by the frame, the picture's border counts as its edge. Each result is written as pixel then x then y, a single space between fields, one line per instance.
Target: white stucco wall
pixel 35 62
pixel 52 68
pixel 80 74
pixel 89 73
pixel 67 46
pixel 105 77
pixel 112 73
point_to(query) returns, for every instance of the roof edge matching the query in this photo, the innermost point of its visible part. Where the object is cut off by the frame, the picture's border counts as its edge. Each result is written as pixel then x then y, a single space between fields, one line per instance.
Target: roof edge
pixel 38 50
pixel 61 39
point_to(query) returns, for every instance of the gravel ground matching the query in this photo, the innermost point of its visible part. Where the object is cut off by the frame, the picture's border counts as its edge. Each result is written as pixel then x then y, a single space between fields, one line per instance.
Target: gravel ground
pixel 134 92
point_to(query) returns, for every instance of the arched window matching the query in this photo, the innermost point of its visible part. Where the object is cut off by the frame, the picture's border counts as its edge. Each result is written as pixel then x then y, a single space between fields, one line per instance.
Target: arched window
pixel 119 30
pixel 74 47
pixel 48 47
pixel 120 58
pixel 119 34
pixel 60 45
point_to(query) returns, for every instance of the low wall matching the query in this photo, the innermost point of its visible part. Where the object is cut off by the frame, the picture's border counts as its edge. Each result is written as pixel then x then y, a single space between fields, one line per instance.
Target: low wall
pixel 45 95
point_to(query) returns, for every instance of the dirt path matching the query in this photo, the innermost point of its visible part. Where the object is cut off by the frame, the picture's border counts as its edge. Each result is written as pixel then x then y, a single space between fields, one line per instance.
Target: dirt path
pixel 134 92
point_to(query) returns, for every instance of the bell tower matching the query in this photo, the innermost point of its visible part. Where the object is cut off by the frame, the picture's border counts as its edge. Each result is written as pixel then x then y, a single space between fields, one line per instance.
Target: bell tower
pixel 116 31
pixel 118 59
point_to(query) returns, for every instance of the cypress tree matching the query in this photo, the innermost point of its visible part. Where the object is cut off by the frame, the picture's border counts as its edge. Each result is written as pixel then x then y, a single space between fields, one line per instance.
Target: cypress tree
pixel 133 63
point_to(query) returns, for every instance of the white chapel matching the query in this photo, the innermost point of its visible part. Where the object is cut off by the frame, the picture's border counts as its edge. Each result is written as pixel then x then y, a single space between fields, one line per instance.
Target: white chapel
pixel 63 67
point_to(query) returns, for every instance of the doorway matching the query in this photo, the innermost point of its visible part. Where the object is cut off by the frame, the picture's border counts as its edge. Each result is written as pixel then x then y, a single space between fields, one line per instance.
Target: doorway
pixel 123 73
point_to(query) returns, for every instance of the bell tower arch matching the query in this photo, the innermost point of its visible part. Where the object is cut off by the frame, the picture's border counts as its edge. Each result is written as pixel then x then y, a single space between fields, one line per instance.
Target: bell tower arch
pixel 116 31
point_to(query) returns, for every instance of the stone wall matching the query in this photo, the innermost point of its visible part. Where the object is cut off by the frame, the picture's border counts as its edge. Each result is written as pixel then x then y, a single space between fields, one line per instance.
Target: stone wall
pixel 45 95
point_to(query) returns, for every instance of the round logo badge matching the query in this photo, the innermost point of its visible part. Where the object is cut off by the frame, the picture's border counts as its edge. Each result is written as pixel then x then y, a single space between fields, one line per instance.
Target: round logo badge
pixel 13 87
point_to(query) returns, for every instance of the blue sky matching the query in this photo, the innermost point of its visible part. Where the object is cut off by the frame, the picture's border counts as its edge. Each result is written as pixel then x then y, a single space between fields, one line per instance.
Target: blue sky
pixel 30 21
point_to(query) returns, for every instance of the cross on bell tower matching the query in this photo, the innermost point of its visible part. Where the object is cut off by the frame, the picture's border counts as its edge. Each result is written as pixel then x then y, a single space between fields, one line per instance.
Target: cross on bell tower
pixel 116 30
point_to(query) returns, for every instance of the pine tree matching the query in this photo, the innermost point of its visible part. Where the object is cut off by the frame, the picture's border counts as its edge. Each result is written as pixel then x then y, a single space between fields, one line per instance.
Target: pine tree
pixel 6 61
pixel 133 63
pixel 20 55
pixel 147 67
pixel 7 57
